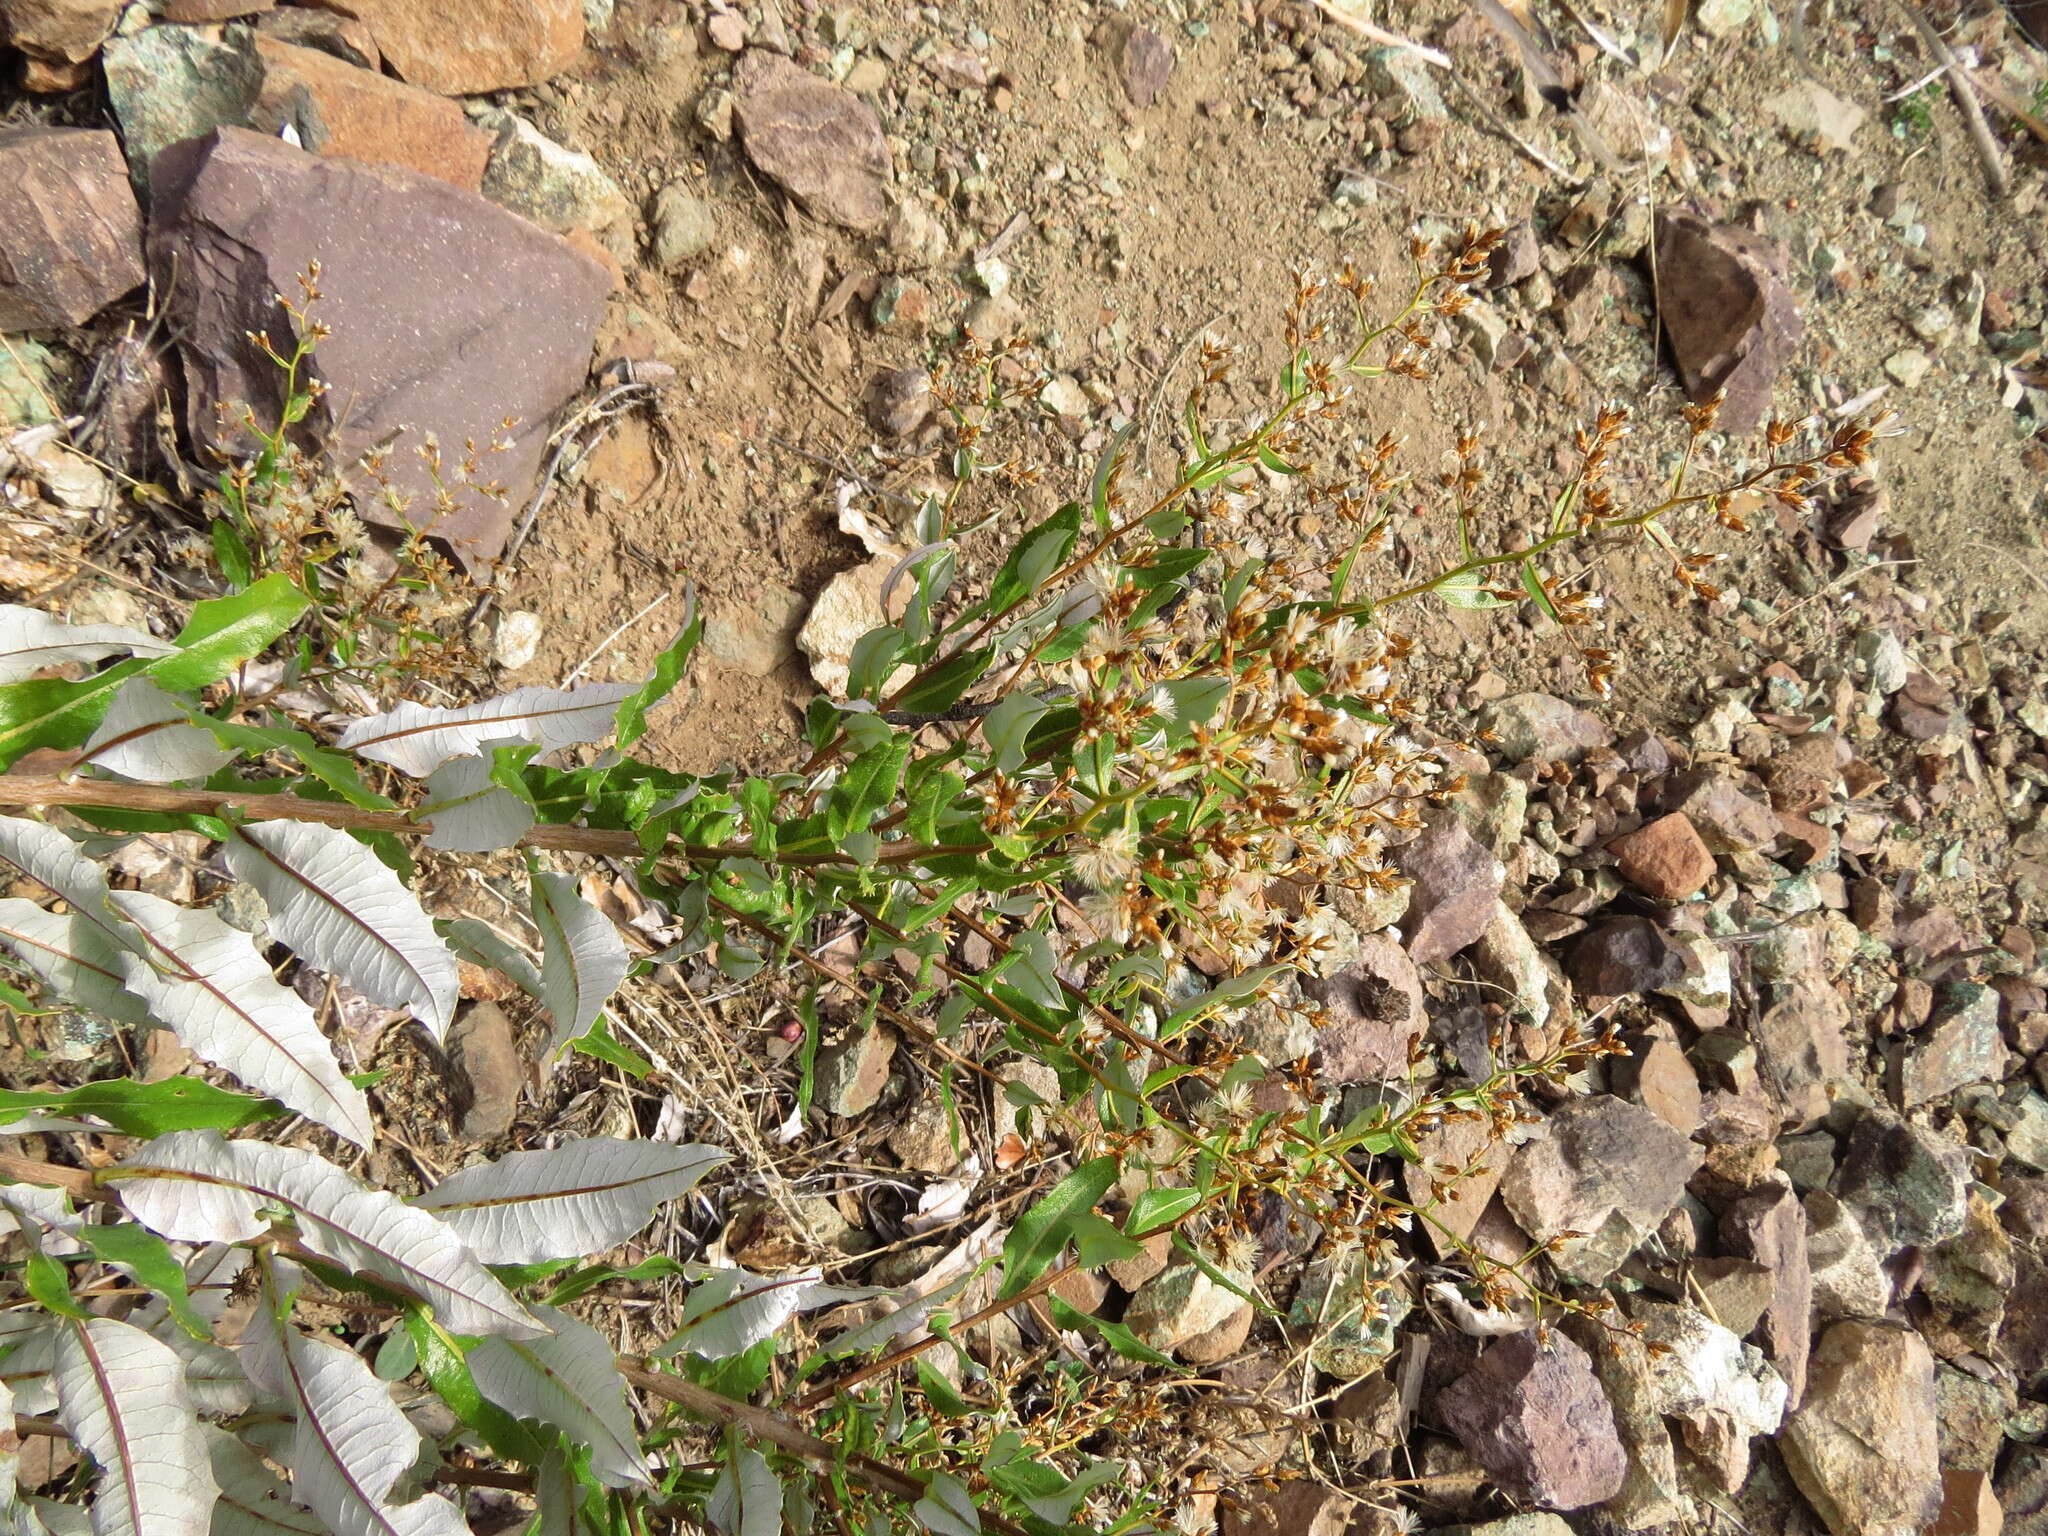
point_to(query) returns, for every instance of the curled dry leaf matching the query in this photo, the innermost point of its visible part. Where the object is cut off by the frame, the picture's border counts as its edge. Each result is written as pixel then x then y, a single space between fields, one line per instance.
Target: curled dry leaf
pixel 416 740
pixel 31 640
pixel 148 735
pixel 582 957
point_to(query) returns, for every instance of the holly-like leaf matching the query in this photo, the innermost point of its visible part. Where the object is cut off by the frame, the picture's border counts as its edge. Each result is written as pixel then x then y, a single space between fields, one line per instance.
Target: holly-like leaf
pixel 338 906
pixel 471 811
pixel 746 1498
pixel 121 1395
pixel 209 983
pixel 567 1202
pixel 197 1187
pixel 54 862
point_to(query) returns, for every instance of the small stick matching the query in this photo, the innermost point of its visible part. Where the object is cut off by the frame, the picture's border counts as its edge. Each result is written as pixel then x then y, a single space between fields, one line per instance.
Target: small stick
pixel 21 789
pixel 1367 30
pixel 1494 123
pixel 1965 94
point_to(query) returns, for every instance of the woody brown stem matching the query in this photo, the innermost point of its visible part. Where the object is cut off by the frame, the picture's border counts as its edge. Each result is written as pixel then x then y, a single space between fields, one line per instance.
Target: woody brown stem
pixel 21 789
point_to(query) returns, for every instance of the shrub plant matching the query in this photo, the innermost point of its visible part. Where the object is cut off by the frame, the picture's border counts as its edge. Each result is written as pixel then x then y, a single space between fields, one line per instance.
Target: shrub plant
pixel 1136 763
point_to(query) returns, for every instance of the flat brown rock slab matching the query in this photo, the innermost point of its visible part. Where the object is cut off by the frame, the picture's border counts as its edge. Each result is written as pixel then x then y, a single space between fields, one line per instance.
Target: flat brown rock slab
pixel 1731 320
pixel 58 31
pixel 448 313
pixel 73 241
pixel 1608 1170
pixel 1533 1415
pixel 1864 1449
pixel 463 47
pixel 818 141
pixel 337 109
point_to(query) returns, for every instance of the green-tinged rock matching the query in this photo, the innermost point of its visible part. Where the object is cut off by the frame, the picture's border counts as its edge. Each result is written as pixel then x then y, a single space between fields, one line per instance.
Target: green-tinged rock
pixel 28 383
pixel 1352 1309
pixel 1961 1045
pixel 169 83
pixel 1179 1304
pixel 558 188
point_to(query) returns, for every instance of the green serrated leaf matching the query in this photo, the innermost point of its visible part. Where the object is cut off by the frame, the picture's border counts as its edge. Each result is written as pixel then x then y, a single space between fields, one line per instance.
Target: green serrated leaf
pixel 145 1109
pixel 1159 1208
pixel 941 687
pixel 224 632
pixel 597 1041
pixel 140 1253
pixel 49 1283
pixel 668 671
pixel 442 1360
pixel 1042 1231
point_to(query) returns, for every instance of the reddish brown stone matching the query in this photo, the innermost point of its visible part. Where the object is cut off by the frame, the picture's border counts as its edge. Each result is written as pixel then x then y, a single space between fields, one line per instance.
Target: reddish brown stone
pixel 1148 65
pixel 58 31
pixel 484 317
pixel 1456 882
pixel 1533 1415
pixel 205 12
pixel 338 109
pixel 1727 819
pixel 1769 1226
pixel 1969 1506
pixel 73 241
pixel 1375 1011
pixel 1665 858
pixel 53 77
pixel 1805 840
pixel 819 141
pixel 464 47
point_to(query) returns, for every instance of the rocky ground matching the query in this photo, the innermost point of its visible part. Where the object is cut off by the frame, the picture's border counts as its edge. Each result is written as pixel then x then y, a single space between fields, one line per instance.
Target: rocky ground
pixel 1803 861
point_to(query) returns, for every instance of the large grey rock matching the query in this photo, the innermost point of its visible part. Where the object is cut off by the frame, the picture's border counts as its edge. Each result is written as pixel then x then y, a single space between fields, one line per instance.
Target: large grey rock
pixel 484 317
pixel 1606 1168
pixel 1847 1269
pixel 74 235
pixel 1910 1184
pixel 1864 1447
pixel 1533 1415
pixel 1961 1045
